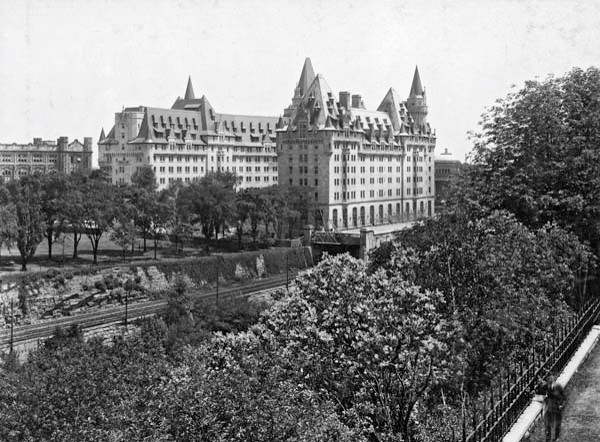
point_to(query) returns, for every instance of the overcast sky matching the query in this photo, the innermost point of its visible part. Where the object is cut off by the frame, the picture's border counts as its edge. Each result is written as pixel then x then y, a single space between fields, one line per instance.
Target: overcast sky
pixel 67 66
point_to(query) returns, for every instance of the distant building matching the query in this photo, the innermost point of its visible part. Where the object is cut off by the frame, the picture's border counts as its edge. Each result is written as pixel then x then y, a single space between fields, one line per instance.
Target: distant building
pixel 447 168
pixel 44 156
pixel 187 141
pixel 367 167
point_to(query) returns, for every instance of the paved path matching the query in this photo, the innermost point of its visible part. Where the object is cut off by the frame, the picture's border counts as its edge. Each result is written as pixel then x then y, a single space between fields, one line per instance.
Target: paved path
pixel 581 419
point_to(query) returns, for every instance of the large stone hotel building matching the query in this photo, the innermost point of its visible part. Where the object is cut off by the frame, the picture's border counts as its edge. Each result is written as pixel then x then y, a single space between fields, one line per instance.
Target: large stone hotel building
pixel 187 141
pixel 367 167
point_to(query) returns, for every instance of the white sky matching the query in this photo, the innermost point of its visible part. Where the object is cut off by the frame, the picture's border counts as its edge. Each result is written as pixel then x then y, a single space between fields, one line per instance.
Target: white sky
pixel 67 66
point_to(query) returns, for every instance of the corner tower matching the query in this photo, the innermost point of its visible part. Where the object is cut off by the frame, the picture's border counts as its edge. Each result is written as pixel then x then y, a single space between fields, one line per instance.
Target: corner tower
pixel 416 103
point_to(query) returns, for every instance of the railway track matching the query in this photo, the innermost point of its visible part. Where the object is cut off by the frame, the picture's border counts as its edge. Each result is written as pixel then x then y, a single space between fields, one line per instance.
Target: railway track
pixel 136 310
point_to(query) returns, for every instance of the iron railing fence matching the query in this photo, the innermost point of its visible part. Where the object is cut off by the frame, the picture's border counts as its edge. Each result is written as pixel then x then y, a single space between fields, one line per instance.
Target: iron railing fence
pixel 490 417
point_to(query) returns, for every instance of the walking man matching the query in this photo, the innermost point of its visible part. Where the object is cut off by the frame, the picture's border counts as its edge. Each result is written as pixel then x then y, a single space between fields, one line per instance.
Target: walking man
pixel 554 402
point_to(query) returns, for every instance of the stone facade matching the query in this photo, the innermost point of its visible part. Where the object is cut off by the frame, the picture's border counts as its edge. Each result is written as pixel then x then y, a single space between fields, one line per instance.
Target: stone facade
pixel 367 167
pixel 447 168
pixel 44 156
pixel 187 141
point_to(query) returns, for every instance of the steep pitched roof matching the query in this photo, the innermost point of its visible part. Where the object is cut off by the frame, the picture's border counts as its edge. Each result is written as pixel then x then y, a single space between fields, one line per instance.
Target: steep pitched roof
pixel 306 77
pixel 110 138
pixel 102 136
pixel 394 107
pixel 317 104
pixel 417 88
pixel 189 90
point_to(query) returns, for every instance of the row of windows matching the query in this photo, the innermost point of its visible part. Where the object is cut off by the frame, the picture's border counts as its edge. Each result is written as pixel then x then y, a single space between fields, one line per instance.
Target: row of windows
pixel 381 215
pixel 221 158
pixel 257 179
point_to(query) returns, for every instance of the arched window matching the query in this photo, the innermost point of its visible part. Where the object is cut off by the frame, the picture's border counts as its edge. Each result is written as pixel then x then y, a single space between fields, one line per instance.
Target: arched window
pixel 372 215
pixel 354 217
pixel 389 214
pixel 334 215
pixel 362 216
pixel 381 213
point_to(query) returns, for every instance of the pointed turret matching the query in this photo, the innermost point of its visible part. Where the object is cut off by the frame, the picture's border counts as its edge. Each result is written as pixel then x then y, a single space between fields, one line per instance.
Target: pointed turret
pixel 417 102
pixel 417 88
pixel 189 90
pixel 306 78
pixel 102 136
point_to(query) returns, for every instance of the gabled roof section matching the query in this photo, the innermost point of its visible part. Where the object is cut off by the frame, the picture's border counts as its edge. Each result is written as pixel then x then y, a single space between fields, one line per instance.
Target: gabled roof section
pixel 189 90
pixel 394 107
pixel 317 104
pixel 306 77
pixel 417 88
pixel 110 138
pixel 144 135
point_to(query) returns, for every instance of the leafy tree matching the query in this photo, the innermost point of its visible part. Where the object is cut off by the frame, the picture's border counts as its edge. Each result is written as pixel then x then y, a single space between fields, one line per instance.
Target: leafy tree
pixel 161 218
pixel 507 288
pixel 537 155
pixel 76 390
pixel 209 201
pixel 251 204
pixel 372 343
pixel 181 229
pixel 142 204
pixel 26 195
pixel 8 220
pixel 123 233
pixel 231 389
pixel 98 212
pixel 287 206
pixel 144 178
pixel 55 187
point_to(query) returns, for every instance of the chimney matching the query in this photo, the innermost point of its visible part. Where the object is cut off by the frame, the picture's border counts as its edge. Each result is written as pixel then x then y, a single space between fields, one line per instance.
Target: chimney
pixel 357 101
pixel 37 142
pixel 63 143
pixel 345 100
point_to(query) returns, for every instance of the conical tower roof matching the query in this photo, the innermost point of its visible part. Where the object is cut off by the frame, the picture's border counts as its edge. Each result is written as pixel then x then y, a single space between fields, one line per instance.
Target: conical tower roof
pixel 102 136
pixel 306 77
pixel 189 90
pixel 417 88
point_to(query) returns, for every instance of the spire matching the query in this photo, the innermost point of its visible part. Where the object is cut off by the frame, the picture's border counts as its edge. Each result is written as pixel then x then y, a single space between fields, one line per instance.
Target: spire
pixel 102 136
pixel 417 88
pixel 189 90
pixel 306 77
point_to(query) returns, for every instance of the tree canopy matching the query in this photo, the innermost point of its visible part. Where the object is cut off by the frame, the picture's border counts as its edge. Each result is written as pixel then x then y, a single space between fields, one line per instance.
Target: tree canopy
pixel 537 155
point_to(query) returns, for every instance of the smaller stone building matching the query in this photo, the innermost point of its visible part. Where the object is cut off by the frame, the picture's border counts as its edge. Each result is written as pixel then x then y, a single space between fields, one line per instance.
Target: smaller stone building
pixel 447 169
pixel 44 156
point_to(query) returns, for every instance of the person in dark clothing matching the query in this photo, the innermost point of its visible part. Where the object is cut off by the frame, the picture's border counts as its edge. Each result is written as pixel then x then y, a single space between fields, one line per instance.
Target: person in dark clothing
pixel 554 401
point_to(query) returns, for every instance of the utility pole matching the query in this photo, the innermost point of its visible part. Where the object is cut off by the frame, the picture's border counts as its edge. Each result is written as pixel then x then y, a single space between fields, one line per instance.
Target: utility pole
pixel 217 298
pixel 12 325
pixel 126 307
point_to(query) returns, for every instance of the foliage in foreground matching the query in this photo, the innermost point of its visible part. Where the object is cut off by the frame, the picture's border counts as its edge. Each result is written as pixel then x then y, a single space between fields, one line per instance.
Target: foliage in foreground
pixel 352 353
pixel 508 288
